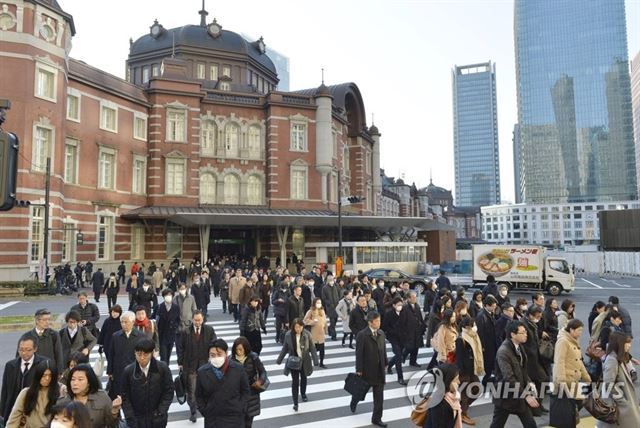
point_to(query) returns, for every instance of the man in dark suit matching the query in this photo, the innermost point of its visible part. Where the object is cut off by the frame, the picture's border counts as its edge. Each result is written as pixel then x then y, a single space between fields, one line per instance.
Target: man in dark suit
pixel 122 352
pixel 414 328
pixel 486 322
pixel 97 282
pixel 18 373
pixel 371 360
pixel 193 353
pixel 222 389
pixel 47 340
pixel 168 319
pixel 295 305
pixel 89 313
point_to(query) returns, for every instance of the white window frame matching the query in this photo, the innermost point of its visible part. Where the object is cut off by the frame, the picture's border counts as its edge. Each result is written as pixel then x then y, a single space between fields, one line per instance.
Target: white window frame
pixel 71 142
pixel 299 129
pixel 109 235
pixel 36 236
pixel 69 246
pixel 254 142
pixel 208 135
pixel 334 141
pixel 170 183
pixel 293 191
pixel 224 86
pixel 253 197
pixel 146 74
pixel 213 72
pixel 107 151
pixel 346 160
pixel 226 70
pixel 174 238
pixel 208 194
pixel 173 124
pixel 231 148
pixel 104 107
pixel 227 197
pixel 76 95
pixel 139 118
pixel 137 242
pixel 333 187
pixel 39 154
pixel 201 71
pixel 367 162
pixel 155 70
pixel 139 178
pixel 37 90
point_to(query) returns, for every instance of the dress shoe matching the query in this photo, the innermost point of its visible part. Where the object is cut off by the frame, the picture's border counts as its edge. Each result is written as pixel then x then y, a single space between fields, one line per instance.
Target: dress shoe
pixel 415 365
pixel 389 370
pixel 304 398
pixel 467 420
pixel 402 381
pixel 323 366
pixel 543 409
pixel 353 406
pixel 192 418
pixel 379 424
pixel 295 407
pixel 351 346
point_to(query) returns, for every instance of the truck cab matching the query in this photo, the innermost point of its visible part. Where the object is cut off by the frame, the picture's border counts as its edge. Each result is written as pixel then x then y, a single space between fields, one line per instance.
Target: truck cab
pixel 558 276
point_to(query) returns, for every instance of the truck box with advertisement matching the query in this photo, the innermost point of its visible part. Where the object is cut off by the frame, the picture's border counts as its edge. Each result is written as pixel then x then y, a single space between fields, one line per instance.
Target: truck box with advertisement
pixel 522 266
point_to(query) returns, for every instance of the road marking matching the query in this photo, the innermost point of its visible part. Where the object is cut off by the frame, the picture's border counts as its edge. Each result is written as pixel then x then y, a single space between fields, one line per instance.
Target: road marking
pixel 592 283
pixel 8 304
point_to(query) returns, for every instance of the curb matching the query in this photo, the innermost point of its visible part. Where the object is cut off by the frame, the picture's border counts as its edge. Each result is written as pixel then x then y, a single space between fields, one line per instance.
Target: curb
pixel 56 324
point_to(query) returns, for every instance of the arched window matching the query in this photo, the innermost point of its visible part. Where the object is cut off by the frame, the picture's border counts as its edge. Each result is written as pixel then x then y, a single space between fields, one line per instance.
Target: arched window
pixel 254 190
pixel 231 189
pixel 207 188
pixel 254 142
pixel 208 137
pixel 231 135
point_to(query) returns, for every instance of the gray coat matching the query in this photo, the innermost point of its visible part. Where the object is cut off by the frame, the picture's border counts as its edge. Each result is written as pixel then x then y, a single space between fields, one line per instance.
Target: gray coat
pixel 82 339
pixel 628 408
pixel 187 305
pixel 343 310
pixel 331 295
pixel 306 346
pixel 99 406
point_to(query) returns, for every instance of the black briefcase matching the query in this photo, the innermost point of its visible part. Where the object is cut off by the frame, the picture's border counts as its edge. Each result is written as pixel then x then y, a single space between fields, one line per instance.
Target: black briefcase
pixel 180 385
pixel 356 386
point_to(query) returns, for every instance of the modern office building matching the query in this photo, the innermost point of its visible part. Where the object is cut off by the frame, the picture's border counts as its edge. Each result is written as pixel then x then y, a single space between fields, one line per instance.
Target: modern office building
pixel 517 163
pixel 554 225
pixel 635 102
pixel 475 135
pixel 574 101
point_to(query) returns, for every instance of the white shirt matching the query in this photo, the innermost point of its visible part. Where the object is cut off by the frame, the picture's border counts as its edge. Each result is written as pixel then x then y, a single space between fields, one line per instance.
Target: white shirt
pixel 39 332
pixel 145 370
pixel 23 362
pixel 72 333
pixel 374 332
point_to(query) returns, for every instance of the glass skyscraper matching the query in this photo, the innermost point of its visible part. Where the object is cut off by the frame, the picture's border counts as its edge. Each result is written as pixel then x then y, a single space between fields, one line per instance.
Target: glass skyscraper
pixel 574 101
pixel 475 135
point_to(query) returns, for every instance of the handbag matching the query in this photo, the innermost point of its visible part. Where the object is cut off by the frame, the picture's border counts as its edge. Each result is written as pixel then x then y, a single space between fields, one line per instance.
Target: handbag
pixel 294 362
pixel 600 409
pixel 98 366
pixel 179 384
pixel 356 386
pixel 545 349
pixel 594 350
pixel 419 414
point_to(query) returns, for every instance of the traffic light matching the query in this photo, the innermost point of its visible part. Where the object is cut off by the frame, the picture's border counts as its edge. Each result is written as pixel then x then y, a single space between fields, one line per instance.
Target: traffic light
pixel 8 162
pixel 22 204
pixel 348 200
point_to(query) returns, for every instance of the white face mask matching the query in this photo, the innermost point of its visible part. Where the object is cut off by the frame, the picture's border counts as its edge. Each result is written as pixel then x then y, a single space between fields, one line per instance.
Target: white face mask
pixel 536 321
pixel 393 289
pixel 183 292
pixel 145 287
pixel 319 305
pixel 503 293
pixel 523 308
pixel 474 328
pixel 398 308
pixel 57 424
pixel 168 298
pixel 217 362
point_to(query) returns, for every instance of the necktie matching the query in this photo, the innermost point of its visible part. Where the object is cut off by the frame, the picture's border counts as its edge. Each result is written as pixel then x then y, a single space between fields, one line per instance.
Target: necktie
pixel 24 374
pixel 197 333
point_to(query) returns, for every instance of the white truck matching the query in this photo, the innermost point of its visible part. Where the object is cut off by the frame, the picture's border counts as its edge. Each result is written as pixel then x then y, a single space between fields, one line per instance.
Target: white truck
pixel 522 266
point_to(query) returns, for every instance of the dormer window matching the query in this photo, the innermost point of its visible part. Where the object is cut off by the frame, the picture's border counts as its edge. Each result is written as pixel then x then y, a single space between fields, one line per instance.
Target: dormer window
pixel 224 86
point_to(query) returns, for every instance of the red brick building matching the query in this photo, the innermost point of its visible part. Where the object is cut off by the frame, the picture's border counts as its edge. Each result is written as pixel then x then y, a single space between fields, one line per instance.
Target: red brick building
pixel 196 152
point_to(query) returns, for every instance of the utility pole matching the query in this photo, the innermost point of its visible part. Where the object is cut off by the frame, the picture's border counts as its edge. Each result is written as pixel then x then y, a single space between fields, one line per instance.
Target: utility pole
pixel 339 214
pixel 47 189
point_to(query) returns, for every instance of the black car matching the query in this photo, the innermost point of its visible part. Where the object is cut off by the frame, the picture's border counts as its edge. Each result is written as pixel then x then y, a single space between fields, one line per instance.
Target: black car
pixel 396 277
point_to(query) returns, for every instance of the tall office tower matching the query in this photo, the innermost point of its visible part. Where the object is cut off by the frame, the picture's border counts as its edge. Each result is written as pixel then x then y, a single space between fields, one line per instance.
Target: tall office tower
pixel 475 135
pixel 517 164
pixel 574 101
pixel 635 101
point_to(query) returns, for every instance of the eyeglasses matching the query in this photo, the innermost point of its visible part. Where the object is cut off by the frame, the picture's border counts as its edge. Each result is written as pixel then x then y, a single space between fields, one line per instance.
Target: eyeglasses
pixel 522 332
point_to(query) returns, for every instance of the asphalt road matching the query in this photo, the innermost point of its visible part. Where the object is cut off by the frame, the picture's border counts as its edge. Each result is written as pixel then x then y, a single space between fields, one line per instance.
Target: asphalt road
pixel 328 403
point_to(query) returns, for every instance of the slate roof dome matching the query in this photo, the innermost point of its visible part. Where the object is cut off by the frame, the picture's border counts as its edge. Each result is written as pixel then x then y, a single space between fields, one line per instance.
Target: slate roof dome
pixel 197 36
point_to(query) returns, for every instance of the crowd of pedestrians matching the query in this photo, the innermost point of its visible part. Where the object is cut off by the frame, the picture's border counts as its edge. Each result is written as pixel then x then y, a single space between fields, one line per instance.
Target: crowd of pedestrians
pixel 529 348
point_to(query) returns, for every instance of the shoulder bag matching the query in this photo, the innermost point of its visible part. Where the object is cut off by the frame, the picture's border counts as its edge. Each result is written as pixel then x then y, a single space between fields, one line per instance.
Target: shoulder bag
pixel 294 362
pixel 600 409
pixel 419 413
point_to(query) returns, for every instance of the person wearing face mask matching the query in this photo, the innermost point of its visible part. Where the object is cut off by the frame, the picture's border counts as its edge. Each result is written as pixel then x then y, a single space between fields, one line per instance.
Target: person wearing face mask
pixel 344 308
pixel 414 328
pixel 187 305
pixel 534 366
pixel 470 361
pixel 121 352
pixel 389 297
pixel 520 309
pixel 72 415
pixel 330 299
pixel 317 320
pixel 168 321
pixel 111 288
pixel 193 352
pixel 392 325
pixel 279 299
pixel 201 294
pixel 502 297
pixel 222 389
pixel 147 327
pixel 146 296
pixel 378 293
pixel 251 322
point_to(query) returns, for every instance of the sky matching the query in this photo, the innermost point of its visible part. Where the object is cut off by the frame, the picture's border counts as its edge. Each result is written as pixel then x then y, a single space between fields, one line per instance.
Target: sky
pixel 399 52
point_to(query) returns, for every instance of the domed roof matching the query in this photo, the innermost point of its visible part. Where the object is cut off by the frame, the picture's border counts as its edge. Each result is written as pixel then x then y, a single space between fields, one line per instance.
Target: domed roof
pixel 323 91
pixel 373 130
pixel 198 36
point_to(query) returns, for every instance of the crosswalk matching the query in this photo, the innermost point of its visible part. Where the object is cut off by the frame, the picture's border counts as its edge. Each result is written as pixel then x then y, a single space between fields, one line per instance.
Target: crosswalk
pixel 328 401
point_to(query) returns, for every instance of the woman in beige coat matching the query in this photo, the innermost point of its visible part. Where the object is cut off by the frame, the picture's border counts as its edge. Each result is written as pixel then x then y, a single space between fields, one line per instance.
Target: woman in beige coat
pixel 616 378
pixel 568 372
pixel 317 320
pixel 444 341
pixel 33 407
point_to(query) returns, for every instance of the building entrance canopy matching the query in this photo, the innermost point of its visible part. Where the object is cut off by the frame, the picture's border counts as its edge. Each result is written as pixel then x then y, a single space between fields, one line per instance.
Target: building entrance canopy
pixel 212 216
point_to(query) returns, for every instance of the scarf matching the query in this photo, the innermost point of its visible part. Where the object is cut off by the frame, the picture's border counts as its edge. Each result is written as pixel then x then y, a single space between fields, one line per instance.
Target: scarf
pixel 596 325
pixel 472 338
pixel 220 372
pixel 453 401
pixel 144 324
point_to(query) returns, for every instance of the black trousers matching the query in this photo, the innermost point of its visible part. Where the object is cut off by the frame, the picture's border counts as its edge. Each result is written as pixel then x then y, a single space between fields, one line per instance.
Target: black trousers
pixel 378 399
pixel 224 306
pixel 111 300
pixel 320 348
pixel 501 415
pixel 280 321
pixel 298 383
pixel 96 295
pixel 235 310
pixel 165 351
pixel 412 353
pixel 397 359
pixel 332 327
